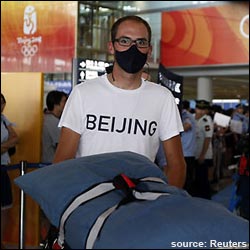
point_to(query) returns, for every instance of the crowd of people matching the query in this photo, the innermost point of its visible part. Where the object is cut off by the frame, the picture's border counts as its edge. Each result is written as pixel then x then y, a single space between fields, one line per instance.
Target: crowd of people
pixel 217 146
pixel 210 149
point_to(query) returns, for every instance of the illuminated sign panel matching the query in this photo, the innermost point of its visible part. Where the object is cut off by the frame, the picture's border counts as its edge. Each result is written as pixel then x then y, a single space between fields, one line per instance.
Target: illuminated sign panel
pixel 206 36
pixel 87 69
pixel 38 36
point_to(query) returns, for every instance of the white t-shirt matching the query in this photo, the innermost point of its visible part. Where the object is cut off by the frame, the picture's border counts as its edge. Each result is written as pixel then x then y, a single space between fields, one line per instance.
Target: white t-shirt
pixel 110 119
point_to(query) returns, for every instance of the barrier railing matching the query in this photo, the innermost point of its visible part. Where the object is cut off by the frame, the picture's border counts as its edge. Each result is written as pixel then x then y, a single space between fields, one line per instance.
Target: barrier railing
pixel 23 165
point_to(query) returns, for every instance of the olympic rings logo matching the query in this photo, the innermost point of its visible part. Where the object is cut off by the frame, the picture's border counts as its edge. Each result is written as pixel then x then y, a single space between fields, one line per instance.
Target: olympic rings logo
pixel 243 21
pixel 29 50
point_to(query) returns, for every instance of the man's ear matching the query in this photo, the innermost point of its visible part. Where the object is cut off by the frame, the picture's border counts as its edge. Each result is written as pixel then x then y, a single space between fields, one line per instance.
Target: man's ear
pixel 111 48
pixel 149 53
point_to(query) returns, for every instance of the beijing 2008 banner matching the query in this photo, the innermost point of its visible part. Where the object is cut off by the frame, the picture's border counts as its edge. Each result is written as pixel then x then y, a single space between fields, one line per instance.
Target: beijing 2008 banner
pixel 216 35
pixel 38 36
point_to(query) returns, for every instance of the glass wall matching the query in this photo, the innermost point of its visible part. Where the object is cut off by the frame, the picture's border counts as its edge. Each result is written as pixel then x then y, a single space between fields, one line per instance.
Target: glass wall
pixel 94 21
pixel 93 29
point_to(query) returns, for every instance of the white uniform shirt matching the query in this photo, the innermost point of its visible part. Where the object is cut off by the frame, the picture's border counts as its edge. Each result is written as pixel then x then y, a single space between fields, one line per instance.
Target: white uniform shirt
pixel 110 119
pixel 204 129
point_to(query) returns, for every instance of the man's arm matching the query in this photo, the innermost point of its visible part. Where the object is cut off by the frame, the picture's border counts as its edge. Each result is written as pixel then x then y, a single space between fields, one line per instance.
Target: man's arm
pixel 187 125
pixel 12 140
pixel 67 146
pixel 204 149
pixel 176 165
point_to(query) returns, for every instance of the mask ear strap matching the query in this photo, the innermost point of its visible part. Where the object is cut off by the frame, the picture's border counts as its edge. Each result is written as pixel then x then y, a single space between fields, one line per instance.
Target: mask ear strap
pixel 113 78
pixel 146 70
pixel 112 72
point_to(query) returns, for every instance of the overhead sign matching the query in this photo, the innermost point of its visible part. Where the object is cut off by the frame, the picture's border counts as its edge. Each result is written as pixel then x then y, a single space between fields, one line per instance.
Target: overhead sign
pixel 216 35
pixel 84 69
pixel 38 36
pixel 173 82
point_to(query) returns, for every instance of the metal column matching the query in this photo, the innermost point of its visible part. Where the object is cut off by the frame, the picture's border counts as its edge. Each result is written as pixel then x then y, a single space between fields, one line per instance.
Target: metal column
pixel 23 166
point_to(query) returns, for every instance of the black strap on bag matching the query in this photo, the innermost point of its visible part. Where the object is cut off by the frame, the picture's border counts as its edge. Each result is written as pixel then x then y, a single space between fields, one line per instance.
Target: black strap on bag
pixel 120 182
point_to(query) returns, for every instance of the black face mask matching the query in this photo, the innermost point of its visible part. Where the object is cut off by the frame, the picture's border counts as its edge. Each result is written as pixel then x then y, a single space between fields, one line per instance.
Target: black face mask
pixel 131 60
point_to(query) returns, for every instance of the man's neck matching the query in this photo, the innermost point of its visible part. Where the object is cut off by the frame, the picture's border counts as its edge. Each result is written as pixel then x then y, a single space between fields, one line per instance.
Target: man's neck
pixel 124 80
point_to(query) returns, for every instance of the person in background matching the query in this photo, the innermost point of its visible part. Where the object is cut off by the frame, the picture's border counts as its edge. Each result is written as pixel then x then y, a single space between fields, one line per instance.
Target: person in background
pixel 219 149
pixel 55 102
pixel 9 138
pixel 188 139
pixel 246 120
pixel 210 115
pixel 204 151
pixel 246 123
pixel 120 111
pixel 239 116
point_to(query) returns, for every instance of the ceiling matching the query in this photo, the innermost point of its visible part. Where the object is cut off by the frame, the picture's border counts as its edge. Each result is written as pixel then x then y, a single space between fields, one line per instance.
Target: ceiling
pixel 226 86
pixel 141 7
pixel 231 87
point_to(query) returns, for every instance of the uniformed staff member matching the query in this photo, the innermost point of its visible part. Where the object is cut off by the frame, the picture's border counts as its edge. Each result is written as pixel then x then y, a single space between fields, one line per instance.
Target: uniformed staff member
pixel 238 115
pixel 188 139
pixel 204 152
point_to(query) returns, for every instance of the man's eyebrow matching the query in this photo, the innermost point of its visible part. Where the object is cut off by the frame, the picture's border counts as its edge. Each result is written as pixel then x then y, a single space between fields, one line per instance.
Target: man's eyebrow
pixel 139 38
pixel 125 37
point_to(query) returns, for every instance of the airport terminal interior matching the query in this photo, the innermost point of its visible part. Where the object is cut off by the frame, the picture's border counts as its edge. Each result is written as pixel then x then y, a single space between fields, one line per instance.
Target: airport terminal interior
pixel 200 48
pixel 229 81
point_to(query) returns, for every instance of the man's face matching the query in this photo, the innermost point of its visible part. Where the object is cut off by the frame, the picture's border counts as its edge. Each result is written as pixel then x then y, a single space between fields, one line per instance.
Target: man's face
pixel 200 111
pixel 62 103
pixel 133 30
pixel 240 110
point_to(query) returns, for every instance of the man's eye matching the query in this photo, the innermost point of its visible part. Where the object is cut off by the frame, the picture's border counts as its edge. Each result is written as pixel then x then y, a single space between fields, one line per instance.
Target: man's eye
pixel 141 42
pixel 124 41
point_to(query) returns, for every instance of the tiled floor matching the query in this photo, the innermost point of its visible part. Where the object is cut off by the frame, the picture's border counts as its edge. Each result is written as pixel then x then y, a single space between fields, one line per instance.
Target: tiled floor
pixel 222 183
pixel 17 247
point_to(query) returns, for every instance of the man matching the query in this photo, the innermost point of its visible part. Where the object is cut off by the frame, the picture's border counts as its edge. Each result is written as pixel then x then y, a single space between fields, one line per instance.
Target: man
pixel 55 102
pixel 122 112
pixel 204 153
pixel 188 139
pixel 239 116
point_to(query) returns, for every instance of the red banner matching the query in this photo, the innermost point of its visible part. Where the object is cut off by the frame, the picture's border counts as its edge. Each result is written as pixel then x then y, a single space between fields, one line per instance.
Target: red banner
pixel 203 36
pixel 37 36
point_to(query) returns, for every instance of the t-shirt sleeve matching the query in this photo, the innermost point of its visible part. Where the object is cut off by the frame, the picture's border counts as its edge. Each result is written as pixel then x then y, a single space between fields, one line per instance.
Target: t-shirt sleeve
pixel 170 122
